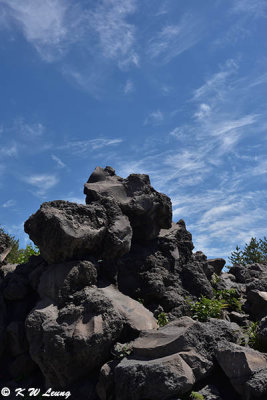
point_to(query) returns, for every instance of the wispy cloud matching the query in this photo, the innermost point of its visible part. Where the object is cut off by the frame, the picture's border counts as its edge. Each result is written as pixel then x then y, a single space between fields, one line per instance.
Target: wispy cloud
pixel 42 182
pixel 203 111
pixel 58 161
pixel 116 35
pixel 43 24
pixel 9 203
pixel 10 150
pixel 174 39
pixel 83 146
pixel 154 118
pixel 255 8
pixel 215 85
pixel 29 130
pixel 129 87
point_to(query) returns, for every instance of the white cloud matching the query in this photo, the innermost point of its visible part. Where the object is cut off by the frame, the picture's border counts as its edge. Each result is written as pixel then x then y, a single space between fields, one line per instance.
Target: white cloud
pixel 255 8
pixel 129 87
pixel 203 111
pixel 54 26
pixel 59 162
pixel 43 23
pixel 173 40
pixel 83 146
pixel 116 35
pixel 9 150
pixel 9 203
pixel 43 182
pixel 215 85
pixel 154 118
pixel 31 131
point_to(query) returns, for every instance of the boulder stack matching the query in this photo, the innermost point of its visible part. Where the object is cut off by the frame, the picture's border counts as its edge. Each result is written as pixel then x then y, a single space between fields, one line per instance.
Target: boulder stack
pixel 104 311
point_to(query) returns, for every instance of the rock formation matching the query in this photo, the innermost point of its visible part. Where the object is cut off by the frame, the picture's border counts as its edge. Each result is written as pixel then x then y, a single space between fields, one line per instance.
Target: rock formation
pixel 86 315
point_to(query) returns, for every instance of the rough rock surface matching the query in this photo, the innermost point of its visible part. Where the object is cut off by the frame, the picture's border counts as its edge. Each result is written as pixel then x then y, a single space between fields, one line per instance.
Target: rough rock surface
pixel 244 367
pixel 147 209
pixel 65 231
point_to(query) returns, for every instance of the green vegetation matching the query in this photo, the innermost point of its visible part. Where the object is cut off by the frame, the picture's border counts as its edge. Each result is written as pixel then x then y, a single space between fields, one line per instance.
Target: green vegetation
pixel 205 308
pixel 251 336
pixel 254 252
pixel 121 350
pixel 196 396
pixel 17 255
pixel 162 319
pixel 230 297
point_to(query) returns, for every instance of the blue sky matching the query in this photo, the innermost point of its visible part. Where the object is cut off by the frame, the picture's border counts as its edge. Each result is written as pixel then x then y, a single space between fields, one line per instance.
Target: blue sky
pixel 175 89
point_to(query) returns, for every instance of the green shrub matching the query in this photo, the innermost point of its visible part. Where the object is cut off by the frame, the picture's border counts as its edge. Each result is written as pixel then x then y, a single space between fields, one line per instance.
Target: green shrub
pixel 17 255
pixel 196 396
pixel 205 308
pixel 162 319
pixel 26 253
pixel 251 336
pixel 121 350
pixel 230 297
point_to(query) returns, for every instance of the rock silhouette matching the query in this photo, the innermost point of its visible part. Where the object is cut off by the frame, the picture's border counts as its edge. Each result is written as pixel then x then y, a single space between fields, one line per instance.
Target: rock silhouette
pixel 85 315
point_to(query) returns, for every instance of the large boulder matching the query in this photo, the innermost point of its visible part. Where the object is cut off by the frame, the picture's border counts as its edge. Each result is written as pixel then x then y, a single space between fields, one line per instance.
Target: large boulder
pixel 148 210
pixel 257 304
pixel 67 231
pixel 71 342
pixel 244 367
pixel 165 363
pixel 73 339
pixel 59 281
pixel 157 379
pixel 184 335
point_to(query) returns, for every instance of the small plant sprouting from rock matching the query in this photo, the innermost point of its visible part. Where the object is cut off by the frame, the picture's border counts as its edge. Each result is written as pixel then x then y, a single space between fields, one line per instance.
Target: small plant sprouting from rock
pixel 141 301
pixel 121 350
pixel 215 279
pixel 230 297
pixel 162 319
pixel 196 396
pixel 205 308
pixel 251 336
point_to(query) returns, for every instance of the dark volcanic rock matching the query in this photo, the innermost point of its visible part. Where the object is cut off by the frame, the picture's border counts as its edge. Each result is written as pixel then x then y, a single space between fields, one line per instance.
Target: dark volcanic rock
pixel 164 272
pixel 246 369
pixel 257 304
pixel 65 231
pixel 70 341
pixel 148 210
pixel 59 281
pixel 3 317
pixel 263 333
pixel 165 363
pixel 248 273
